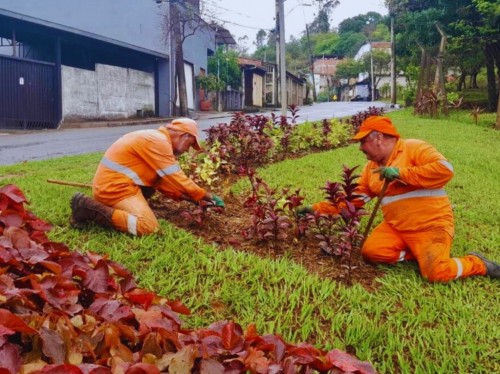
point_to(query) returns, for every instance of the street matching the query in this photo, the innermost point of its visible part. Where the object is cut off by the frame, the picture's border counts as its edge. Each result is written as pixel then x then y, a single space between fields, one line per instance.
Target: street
pixel 45 144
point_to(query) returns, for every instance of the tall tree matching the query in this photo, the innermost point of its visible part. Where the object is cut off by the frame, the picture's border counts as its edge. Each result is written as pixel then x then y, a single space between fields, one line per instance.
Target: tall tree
pixel 180 22
pixel 321 22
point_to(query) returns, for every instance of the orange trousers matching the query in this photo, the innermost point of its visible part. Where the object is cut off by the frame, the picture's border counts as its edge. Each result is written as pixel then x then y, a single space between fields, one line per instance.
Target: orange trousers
pixel 430 248
pixel 134 215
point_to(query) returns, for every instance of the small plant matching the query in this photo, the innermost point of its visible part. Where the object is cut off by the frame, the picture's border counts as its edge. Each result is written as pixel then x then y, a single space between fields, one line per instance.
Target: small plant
pixel 427 104
pixel 476 113
pixel 356 120
pixel 294 110
pixel 200 213
pixel 270 224
pixel 338 234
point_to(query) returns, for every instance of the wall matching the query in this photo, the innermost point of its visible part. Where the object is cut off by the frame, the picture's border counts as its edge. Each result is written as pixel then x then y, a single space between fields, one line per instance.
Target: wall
pixel 135 22
pixel 109 92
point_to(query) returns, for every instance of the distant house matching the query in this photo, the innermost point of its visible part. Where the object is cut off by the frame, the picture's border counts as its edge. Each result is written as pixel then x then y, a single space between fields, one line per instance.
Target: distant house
pixel 325 70
pixel 260 84
pixel 92 59
pixel 361 90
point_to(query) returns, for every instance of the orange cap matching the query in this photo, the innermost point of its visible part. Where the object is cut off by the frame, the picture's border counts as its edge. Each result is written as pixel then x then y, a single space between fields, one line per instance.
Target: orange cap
pixel 187 126
pixel 376 123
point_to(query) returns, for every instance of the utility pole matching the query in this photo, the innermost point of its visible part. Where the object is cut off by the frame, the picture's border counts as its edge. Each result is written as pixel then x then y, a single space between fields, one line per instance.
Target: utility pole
pixel 393 62
pixel 280 17
pixel 311 58
pixel 277 40
pixel 371 73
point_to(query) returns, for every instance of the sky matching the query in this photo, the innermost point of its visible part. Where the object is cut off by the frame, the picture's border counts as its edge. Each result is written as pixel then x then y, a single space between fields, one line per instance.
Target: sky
pixel 246 17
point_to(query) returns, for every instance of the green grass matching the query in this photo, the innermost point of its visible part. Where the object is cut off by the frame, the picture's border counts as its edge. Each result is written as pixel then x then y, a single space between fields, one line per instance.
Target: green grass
pixel 406 326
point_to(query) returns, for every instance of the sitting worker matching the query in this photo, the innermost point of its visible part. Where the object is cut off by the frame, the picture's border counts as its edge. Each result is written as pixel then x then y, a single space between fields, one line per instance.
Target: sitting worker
pixel 132 168
pixel 418 218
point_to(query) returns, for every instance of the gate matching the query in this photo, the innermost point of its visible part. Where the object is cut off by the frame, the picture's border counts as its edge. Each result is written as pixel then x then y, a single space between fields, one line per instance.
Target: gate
pixel 27 95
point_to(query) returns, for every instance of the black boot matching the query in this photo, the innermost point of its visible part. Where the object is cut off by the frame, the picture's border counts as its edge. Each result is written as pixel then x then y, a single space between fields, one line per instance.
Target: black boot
pixel 85 209
pixel 492 268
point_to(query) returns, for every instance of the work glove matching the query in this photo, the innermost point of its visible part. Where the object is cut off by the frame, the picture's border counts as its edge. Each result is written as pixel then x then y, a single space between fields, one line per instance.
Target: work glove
pixel 303 210
pixel 218 201
pixel 387 173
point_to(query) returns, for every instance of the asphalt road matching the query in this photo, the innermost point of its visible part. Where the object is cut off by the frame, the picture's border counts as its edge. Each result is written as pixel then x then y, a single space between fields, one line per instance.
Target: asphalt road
pixel 17 147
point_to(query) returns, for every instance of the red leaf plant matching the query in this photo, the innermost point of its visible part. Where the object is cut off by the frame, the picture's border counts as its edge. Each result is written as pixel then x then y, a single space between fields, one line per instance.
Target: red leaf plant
pixel 62 311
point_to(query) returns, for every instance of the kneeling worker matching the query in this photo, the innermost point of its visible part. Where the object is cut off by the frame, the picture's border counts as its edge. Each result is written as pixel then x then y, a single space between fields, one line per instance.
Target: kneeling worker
pixel 134 167
pixel 418 219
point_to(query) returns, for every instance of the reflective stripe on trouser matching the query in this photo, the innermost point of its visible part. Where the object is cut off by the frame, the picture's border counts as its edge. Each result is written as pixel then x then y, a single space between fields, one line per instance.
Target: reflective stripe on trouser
pixel 133 215
pixel 431 249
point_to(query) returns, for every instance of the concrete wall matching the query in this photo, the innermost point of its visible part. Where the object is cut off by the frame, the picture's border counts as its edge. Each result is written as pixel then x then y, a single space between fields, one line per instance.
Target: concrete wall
pixel 134 23
pixel 109 92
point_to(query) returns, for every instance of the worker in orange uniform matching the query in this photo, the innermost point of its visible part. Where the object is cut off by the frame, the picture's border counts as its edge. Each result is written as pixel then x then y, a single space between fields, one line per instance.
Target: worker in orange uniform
pixel 135 166
pixel 418 218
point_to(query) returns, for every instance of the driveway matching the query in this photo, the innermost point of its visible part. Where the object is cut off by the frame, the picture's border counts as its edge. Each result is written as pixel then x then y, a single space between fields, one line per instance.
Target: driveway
pixel 45 144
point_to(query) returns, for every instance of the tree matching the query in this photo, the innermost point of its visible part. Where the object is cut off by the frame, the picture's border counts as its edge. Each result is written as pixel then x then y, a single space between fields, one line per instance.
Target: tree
pixel 224 65
pixel 260 39
pixel 321 22
pixel 349 68
pixel 381 61
pixel 357 24
pixel 181 21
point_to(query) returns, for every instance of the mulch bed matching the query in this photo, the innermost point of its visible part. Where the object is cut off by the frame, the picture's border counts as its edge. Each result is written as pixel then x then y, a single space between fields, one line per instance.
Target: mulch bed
pixel 225 230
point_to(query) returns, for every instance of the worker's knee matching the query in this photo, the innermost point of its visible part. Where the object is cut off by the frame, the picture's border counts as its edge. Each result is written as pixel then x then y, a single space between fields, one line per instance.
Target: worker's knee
pixel 376 255
pixel 147 227
pixel 438 273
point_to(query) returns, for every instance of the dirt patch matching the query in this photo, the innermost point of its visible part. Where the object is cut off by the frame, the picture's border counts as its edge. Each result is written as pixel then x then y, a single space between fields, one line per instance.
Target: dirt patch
pixel 225 230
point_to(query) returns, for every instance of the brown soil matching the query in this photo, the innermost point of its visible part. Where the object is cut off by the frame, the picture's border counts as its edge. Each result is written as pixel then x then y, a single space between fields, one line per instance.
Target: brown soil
pixel 225 230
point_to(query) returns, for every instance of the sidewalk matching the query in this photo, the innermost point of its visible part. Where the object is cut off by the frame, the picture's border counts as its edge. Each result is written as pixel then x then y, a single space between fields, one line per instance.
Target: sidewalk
pixel 74 124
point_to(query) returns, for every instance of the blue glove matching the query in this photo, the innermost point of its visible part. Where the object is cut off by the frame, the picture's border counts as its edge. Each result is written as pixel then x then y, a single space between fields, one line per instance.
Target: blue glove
pixel 218 201
pixel 387 173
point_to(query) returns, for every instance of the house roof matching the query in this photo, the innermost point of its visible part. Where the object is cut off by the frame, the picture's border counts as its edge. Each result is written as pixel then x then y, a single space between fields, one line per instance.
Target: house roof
pixel 222 35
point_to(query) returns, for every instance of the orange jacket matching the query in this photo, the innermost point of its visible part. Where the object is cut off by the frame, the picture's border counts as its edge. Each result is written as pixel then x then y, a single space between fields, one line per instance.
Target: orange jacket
pixel 422 202
pixel 142 158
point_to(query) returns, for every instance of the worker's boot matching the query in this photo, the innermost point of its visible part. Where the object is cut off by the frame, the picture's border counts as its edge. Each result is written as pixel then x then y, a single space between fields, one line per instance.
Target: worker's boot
pixel 492 268
pixel 84 210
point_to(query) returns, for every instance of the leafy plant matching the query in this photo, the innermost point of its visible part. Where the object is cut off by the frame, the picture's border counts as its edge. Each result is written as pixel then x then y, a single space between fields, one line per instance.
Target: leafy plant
pixel 200 213
pixel 62 311
pixel 356 120
pixel 270 223
pixel 339 234
pixel 476 113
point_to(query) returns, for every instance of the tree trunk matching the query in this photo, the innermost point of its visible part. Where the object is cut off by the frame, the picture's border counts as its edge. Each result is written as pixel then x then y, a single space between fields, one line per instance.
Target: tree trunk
pixel 461 81
pixel 490 73
pixel 180 77
pixel 439 78
pixel 421 83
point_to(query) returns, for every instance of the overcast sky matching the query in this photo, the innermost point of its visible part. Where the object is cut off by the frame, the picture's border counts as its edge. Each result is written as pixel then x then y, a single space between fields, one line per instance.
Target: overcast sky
pixel 246 17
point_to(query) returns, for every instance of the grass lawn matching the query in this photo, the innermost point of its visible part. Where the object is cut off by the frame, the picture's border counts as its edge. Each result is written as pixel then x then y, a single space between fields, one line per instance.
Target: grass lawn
pixel 406 325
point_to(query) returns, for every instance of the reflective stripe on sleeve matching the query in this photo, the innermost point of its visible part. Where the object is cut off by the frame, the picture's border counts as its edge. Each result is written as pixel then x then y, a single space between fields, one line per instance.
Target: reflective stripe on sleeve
pixel 447 164
pixel 168 171
pixel 132 224
pixel 365 198
pixel 122 170
pixel 417 193
pixel 460 268
pixel 402 255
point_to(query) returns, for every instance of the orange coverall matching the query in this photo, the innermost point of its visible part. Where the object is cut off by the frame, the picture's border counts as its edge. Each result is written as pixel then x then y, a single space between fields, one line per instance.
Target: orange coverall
pixel 418 218
pixel 140 158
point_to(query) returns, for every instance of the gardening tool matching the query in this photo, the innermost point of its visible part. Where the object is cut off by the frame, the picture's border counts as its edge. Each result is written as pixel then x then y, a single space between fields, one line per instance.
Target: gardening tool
pixel 374 213
pixel 74 184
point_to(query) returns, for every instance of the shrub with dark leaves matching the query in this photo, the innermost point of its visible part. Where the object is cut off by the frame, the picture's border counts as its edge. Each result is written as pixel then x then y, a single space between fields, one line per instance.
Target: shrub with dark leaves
pixel 356 120
pixel 63 311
